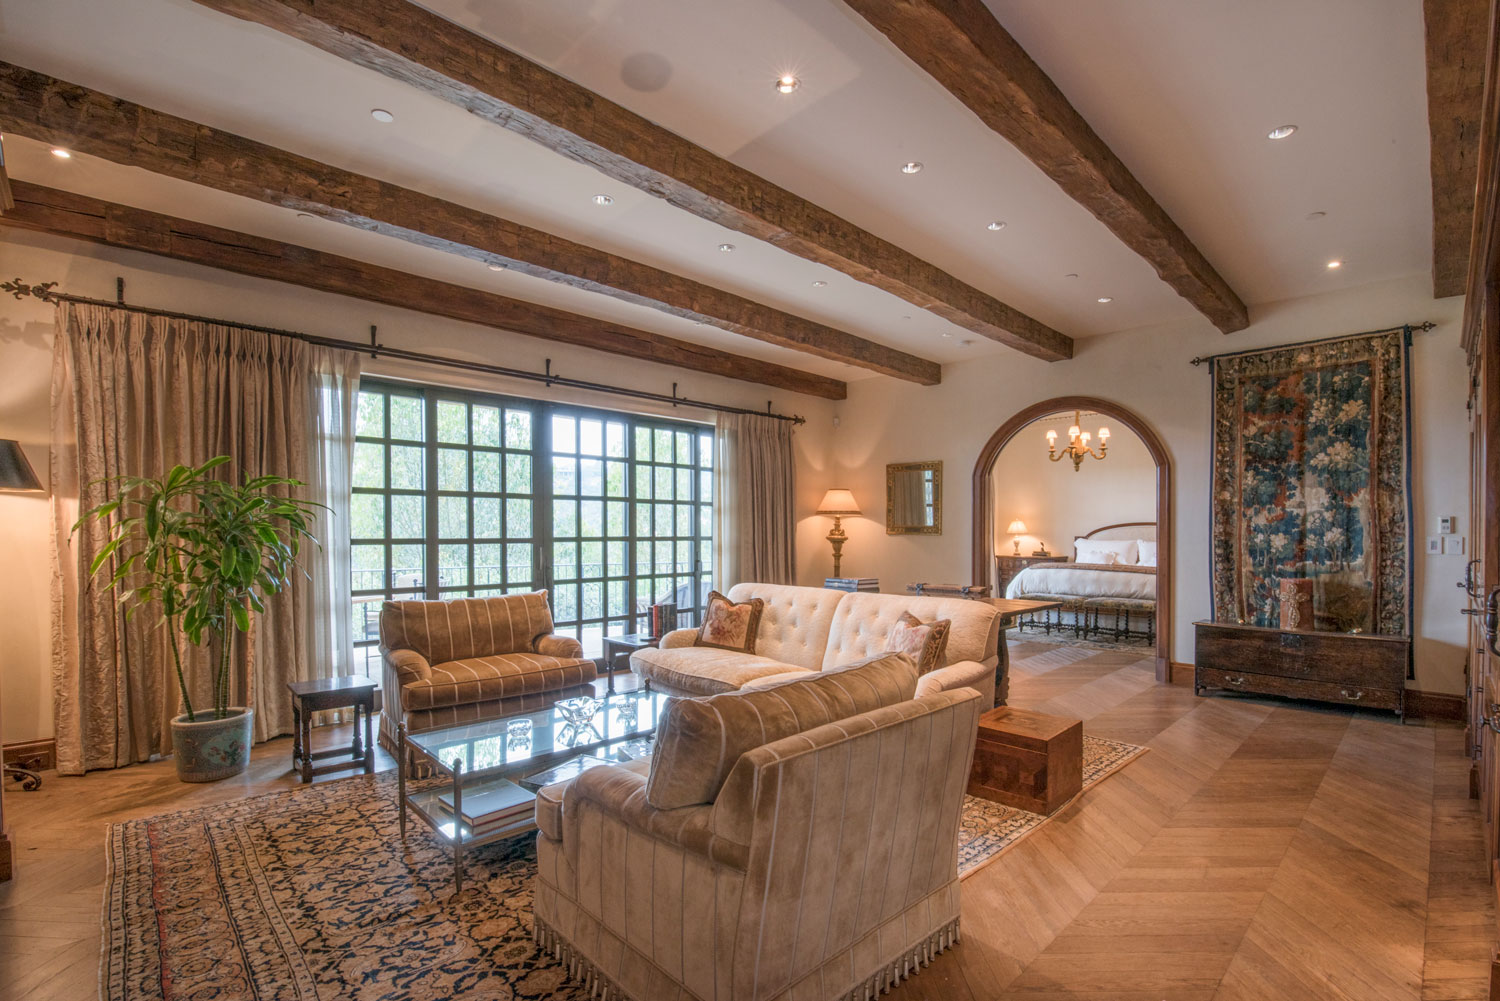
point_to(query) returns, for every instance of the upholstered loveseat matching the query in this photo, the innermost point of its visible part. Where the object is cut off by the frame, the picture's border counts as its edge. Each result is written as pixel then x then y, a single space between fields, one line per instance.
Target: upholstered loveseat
pixel 797 841
pixel 471 659
pixel 808 629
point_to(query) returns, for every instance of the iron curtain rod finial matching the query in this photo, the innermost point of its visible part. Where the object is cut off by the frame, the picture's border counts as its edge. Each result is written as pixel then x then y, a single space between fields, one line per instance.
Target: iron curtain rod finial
pixel 374 344
pixel 120 289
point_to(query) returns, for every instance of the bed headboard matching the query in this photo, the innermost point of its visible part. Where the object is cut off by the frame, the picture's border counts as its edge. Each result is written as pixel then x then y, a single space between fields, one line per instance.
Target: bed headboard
pixel 1125 530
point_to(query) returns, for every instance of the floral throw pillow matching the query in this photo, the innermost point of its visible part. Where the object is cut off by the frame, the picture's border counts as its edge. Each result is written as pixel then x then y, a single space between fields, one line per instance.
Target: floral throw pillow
pixel 728 625
pixel 924 642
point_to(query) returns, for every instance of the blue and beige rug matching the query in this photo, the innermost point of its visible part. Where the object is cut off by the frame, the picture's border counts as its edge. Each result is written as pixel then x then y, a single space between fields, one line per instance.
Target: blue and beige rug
pixel 309 894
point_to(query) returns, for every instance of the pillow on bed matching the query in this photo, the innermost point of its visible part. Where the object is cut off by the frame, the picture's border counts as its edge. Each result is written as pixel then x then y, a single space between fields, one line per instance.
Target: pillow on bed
pixel 1147 554
pixel 1100 551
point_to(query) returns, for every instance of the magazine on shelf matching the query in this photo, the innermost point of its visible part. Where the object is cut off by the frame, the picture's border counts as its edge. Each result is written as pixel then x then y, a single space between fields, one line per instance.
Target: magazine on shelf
pixel 497 803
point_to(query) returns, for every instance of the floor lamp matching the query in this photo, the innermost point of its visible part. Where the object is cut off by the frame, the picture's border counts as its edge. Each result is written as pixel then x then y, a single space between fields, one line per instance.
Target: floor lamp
pixel 17 476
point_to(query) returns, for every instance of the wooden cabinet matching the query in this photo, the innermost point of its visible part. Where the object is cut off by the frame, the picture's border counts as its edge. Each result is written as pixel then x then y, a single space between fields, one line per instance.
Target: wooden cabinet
pixel 1006 567
pixel 1361 670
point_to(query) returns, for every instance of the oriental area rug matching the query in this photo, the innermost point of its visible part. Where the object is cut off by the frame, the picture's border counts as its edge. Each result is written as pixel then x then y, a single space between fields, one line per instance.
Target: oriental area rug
pixel 310 894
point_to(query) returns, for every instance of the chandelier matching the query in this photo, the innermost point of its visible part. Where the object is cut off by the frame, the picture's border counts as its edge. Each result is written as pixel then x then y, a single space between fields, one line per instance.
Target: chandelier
pixel 1078 444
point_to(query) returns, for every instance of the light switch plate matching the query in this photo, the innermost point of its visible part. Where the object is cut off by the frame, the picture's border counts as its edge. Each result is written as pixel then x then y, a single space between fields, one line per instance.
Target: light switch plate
pixel 1434 545
pixel 1453 545
pixel 1447 525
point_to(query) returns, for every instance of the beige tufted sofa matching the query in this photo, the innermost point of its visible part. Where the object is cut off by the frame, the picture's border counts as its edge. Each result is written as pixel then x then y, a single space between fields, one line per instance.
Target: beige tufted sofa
pixel 808 629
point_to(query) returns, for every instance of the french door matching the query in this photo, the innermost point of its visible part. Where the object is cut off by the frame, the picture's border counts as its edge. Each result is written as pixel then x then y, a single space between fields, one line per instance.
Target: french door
pixel 458 494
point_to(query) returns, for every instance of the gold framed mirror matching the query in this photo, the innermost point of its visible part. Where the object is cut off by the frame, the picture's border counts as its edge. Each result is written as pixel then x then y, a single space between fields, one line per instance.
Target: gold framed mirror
pixel 914 498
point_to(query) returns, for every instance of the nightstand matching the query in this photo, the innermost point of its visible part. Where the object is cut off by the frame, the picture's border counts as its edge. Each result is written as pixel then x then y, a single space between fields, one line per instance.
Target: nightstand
pixel 1007 567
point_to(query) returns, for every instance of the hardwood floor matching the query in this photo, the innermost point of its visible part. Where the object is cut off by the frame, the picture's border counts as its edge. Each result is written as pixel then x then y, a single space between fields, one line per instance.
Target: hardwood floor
pixel 1262 850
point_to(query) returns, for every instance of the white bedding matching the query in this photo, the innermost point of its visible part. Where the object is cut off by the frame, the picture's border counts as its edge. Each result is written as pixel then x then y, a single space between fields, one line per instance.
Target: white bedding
pixel 1081 581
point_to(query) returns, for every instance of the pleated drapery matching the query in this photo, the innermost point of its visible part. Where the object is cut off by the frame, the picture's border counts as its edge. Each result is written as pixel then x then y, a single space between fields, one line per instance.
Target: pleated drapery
pixel 134 395
pixel 755 514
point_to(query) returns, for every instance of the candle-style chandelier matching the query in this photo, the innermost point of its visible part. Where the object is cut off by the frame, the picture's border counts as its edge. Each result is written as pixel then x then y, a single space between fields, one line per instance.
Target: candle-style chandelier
pixel 1078 443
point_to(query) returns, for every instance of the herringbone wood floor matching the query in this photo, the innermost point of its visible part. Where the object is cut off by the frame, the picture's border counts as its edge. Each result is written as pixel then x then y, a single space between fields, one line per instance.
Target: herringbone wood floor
pixel 1262 850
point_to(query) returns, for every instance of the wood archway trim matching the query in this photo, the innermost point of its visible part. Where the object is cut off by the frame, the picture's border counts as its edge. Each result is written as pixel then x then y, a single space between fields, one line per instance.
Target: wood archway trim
pixel 984 502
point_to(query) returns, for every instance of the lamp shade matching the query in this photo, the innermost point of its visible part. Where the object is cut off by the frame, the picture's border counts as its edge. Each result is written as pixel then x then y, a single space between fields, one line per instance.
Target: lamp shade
pixel 838 502
pixel 15 472
pixel 1017 527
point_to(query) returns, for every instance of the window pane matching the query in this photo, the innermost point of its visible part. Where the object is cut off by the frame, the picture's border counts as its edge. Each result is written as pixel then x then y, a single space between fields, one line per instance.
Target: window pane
pixel 643 520
pixel 452 422
pixel 489 568
pixel 453 565
pixel 591 477
pixel 517 429
pixel 518 474
pixel 518 561
pixel 406 567
pixel 593 600
pixel 486 517
pixel 616 481
pixel 408 516
pixel 565 561
pixel 453 469
pixel 406 418
pixel 615 440
pixel 591 437
pixel 486 472
pixel 564 475
pixel 487 426
pixel 591 518
pixel 369 465
pixel 705 519
pixel 684 484
pixel 662 442
pixel 705 450
pixel 406 467
pixel 643 482
pixel 663 520
pixel 617 560
pixel 618 605
pixel 706 486
pixel 643 444
pixel 453 517
pixel 368 564
pixel 518 519
pixel 684 448
pixel 367 516
pixel 619 519
pixel 565 602
pixel 592 559
pixel 664 481
pixel 369 420
pixel 565 519
pixel 564 434
pixel 684 519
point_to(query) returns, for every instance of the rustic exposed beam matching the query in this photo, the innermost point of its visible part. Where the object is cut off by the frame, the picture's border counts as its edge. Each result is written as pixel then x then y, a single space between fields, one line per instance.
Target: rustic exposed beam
pixel 65 114
pixel 961 45
pixel 415 46
pixel 1456 34
pixel 81 217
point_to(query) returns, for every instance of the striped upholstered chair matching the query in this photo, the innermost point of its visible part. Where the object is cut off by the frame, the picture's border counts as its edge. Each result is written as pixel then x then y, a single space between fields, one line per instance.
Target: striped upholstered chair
pixel 798 841
pixel 472 659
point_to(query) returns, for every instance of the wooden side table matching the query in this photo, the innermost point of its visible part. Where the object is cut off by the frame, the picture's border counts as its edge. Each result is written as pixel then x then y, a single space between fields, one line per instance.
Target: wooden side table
pixel 623 646
pixel 1007 566
pixel 1027 760
pixel 351 691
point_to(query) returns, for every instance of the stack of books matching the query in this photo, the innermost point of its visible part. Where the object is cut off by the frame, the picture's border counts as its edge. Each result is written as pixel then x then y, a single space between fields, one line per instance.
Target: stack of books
pixel 853 583
pixel 497 805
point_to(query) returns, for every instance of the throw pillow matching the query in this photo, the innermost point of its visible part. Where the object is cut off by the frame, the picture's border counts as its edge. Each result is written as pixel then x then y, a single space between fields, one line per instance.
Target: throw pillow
pixel 699 740
pixel 1147 553
pixel 728 625
pixel 924 642
pixel 1097 551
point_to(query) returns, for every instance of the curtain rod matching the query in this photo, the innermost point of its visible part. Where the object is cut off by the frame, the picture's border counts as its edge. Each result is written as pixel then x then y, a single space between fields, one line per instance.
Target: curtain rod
pixel 43 291
pixel 1424 326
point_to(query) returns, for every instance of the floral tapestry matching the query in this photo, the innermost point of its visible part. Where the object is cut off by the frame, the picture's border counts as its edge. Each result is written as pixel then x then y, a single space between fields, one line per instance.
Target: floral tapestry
pixel 1311 482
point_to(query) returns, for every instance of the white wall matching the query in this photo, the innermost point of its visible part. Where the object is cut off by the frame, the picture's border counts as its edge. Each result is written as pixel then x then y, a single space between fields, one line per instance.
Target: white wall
pixel 1058 503
pixel 1147 371
pixel 26 331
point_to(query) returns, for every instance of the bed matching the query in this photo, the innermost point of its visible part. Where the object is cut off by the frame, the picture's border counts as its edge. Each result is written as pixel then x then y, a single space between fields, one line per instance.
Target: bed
pixel 1101 594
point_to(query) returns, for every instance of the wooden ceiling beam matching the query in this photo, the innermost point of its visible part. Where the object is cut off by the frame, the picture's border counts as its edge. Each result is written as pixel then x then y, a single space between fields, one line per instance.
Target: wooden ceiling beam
pixel 961 45
pixel 1456 32
pixel 417 47
pixel 63 213
pixel 64 114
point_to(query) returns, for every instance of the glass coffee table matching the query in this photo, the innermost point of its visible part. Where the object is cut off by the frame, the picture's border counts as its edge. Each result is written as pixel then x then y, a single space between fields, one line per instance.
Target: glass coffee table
pixel 528 750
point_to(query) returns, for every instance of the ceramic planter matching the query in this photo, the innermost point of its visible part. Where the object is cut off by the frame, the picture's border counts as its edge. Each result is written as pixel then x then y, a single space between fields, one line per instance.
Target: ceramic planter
pixel 210 749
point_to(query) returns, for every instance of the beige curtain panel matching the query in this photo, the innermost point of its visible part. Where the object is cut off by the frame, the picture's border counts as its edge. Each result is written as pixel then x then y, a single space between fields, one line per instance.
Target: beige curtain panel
pixel 133 395
pixel 756 520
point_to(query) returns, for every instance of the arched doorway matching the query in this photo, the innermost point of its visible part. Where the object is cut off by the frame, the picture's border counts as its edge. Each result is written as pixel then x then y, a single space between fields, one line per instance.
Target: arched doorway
pixel 984 514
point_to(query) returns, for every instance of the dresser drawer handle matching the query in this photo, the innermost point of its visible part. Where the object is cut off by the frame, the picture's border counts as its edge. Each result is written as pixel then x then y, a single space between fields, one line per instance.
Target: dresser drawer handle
pixel 1353 696
pixel 1236 681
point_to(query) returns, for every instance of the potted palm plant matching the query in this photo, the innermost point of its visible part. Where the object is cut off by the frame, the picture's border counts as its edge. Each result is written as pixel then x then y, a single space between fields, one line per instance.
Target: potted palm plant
pixel 203 555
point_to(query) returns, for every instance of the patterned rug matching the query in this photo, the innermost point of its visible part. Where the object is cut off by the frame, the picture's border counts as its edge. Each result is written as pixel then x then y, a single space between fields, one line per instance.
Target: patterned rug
pixel 308 894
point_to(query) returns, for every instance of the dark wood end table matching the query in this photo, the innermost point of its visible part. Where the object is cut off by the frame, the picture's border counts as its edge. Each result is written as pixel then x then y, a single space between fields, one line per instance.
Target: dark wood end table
pixel 618 646
pixel 308 697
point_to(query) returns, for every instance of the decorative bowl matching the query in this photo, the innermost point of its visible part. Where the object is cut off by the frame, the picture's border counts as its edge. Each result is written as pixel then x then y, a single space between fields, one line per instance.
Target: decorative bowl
pixel 579 711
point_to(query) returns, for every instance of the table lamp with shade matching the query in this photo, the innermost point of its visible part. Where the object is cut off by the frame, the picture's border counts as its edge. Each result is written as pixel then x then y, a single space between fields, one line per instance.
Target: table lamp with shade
pixel 17 476
pixel 1015 530
pixel 838 502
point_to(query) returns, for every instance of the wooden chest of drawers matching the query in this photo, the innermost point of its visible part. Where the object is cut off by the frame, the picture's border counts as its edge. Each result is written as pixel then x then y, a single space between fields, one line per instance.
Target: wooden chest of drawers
pixel 1359 670
pixel 1006 567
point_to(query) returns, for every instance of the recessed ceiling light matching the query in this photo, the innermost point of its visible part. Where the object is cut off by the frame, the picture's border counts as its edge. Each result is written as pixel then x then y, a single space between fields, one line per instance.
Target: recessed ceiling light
pixel 726 248
pixel 603 200
pixel 381 115
pixel 1335 265
pixel 911 167
pixel 947 333
pixel 1281 131
pixel 906 317
pixel 61 153
pixel 996 226
pixel 786 83
pixel 305 215
pixel 820 284
pixel 1071 274
pixel 1316 215
pixel 1106 298
pixel 497 267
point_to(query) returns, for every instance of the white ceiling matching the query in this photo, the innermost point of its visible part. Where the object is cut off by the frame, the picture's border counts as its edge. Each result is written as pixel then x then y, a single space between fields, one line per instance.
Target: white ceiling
pixel 1183 91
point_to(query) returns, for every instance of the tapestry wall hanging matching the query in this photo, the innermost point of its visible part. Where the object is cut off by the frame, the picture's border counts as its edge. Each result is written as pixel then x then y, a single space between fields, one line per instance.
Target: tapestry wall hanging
pixel 1311 481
